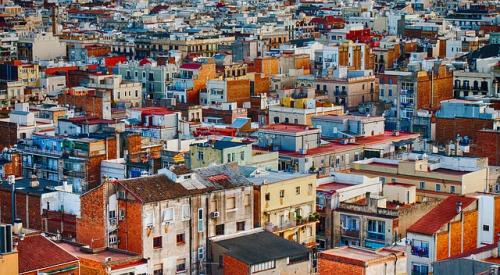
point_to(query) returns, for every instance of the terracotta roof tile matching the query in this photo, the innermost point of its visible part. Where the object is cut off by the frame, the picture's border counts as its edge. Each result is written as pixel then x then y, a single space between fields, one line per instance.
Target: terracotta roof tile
pixel 37 252
pixel 441 214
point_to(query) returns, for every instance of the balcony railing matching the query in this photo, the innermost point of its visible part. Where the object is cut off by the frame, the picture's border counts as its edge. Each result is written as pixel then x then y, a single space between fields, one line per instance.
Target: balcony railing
pixel 420 251
pixel 354 233
pixel 73 173
pixel 376 236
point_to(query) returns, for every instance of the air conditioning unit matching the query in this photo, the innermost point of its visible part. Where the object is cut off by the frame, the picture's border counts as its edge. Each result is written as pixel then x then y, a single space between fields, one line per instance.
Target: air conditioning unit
pixel 215 215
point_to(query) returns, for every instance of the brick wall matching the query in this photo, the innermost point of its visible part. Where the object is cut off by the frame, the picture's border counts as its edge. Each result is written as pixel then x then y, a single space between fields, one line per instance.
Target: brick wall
pixel 456 238
pixel 238 91
pixel 91 226
pixel 442 246
pixel 232 266
pixel 487 144
pixel 328 266
pixel 29 213
pixel 496 218
pixel 130 228
pixel 261 84
pixel 92 105
pixel 448 128
pixel 470 230
pixel 443 89
pixel 9 134
pixel 57 221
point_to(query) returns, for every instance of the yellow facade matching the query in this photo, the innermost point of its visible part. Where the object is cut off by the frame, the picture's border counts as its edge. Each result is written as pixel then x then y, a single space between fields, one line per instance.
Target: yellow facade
pixel 9 264
pixel 288 208
pixel 29 74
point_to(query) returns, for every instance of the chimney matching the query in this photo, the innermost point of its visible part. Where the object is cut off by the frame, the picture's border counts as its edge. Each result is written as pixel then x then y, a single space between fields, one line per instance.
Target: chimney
pixel 34 181
pixel 17 227
pixel 458 207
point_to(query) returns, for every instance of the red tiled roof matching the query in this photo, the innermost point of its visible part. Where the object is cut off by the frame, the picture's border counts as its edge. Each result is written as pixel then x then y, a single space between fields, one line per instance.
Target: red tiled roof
pixel 191 66
pixel 440 215
pixel 322 149
pixel 144 61
pixel 331 187
pixel 37 252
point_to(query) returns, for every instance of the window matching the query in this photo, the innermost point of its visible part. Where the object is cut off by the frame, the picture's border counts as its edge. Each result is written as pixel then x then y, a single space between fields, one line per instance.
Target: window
pixel 382 180
pixel 200 220
pixel 276 119
pixel 186 212
pixel 168 215
pixel 263 266
pixel 309 189
pixel 486 227
pixel 201 253
pixel 420 248
pixel 438 187
pixel 268 196
pixel 181 265
pixel 180 239
pixel 393 179
pixel 282 193
pixel 122 214
pixel 349 223
pixel 297 190
pixel 228 157
pixel 419 269
pixel 240 226
pixel 422 185
pixel 390 92
pixel 376 230
pixel 242 155
pixel 452 189
pixel 200 155
pixel 247 200
pixel 157 242
pixel 231 203
pixel 158 269
pixel 219 229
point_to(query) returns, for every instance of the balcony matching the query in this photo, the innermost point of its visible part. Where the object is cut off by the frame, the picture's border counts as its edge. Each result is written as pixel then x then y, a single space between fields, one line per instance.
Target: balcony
pixel 420 251
pixel 375 236
pixel 269 226
pixel 73 173
pixel 353 233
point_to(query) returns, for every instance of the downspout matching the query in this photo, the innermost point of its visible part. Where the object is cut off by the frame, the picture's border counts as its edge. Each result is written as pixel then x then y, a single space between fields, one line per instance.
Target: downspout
pixel 190 237
pixel 207 215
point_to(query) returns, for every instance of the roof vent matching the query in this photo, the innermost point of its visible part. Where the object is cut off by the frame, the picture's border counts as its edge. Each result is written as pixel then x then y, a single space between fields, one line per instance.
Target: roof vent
pixel 459 207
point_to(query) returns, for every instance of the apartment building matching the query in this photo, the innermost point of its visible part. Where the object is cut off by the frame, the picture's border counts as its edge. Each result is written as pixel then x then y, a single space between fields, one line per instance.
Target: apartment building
pixel 168 218
pixel 124 94
pixel 349 88
pixel 94 103
pixel 285 204
pixel 227 91
pixel 342 126
pixel 301 111
pixel 433 175
pixel 155 122
pixel 355 56
pixel 189 81
pixel 236 254
pixel 154 77
pixel 76 159
pixel 222 151
pixel 448 230
pixel 379 220
pixel 356 260
pixel 40 46
pixel 463 118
